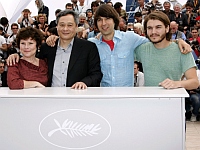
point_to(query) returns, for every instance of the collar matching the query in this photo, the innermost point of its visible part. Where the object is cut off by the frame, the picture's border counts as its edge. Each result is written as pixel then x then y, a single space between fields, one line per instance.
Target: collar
pixel 70 44
pixel 117 35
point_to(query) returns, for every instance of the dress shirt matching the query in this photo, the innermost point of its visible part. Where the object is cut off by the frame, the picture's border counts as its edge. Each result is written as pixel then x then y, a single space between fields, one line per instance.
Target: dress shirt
pixel 117 65
pixel 61 65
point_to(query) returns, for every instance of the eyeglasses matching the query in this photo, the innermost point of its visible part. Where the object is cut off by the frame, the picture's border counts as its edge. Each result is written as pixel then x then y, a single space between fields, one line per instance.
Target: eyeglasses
pixel 194 32
pixel 2 66
pixel 14 28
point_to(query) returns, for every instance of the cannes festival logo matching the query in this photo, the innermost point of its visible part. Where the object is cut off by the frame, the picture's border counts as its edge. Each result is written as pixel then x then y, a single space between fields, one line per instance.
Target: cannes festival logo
pixel 75 129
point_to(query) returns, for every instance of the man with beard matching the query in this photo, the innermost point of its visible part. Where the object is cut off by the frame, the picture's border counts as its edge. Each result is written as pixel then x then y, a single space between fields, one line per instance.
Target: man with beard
pixel 163 64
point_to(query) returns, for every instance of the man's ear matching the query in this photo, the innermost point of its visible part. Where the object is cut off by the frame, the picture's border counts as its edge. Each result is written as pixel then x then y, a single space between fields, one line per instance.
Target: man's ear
pixel 167 29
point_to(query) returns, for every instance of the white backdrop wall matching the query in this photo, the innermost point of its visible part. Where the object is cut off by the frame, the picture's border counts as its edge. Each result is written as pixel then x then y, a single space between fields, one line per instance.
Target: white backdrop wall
pixel 12 8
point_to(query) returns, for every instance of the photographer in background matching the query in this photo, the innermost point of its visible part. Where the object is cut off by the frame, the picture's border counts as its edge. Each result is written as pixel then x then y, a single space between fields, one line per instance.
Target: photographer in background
pixel 41 24
pixel 195 41
pixel 138 17
pixel 11 41
pixel 191 16
pixel 4 23
pixel 25 20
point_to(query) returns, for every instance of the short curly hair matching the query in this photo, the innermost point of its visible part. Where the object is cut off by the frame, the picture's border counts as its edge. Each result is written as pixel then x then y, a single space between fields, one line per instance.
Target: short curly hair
pixel 41 15
pixel 30 32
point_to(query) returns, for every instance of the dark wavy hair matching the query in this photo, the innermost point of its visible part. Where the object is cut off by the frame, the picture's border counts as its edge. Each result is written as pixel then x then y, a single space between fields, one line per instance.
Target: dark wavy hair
pixel 158 15
pixel 30 32
pixel 105 10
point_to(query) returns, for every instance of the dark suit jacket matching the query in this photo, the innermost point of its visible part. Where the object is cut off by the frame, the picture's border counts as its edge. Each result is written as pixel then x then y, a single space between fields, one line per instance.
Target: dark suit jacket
pixel 84 63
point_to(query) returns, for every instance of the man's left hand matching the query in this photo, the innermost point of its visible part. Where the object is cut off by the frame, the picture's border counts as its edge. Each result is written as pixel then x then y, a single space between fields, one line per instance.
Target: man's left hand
pixel 184 47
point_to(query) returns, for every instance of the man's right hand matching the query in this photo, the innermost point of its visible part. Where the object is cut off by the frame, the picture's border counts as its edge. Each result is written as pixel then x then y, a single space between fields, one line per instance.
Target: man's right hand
pixel 12 59
pixel 51 40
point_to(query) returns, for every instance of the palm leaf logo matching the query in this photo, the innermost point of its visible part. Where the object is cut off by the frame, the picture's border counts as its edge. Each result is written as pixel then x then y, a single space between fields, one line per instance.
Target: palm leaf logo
pixel 72 129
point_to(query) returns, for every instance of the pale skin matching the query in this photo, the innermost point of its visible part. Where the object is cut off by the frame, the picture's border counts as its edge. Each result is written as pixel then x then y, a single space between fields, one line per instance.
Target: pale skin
pixel 28 49
pixel 155 30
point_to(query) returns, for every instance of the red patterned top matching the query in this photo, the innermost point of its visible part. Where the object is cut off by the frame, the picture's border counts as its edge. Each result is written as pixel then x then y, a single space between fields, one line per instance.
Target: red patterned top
pixel 25 70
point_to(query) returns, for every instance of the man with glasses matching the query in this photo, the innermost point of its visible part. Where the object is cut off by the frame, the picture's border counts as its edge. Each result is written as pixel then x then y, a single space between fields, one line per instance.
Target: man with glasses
pixel 12 37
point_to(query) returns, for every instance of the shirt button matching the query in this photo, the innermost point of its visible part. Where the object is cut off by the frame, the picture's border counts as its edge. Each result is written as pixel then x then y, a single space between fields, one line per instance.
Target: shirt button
pixel 63 84
pixel 62 73
pixel 113 67
pixel 63 62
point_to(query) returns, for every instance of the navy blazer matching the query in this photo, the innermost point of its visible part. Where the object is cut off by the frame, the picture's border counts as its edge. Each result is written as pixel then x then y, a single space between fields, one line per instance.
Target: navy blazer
pixel 84 63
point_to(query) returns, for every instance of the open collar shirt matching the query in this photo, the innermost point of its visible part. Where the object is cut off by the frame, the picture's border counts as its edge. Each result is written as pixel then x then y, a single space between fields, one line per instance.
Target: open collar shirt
pixel 117 65
pixel 61 65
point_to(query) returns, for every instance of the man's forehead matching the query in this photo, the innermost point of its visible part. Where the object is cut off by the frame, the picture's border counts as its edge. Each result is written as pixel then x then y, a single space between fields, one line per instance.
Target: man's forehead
pixel 154 22
pixel 69 17
pixel 101 17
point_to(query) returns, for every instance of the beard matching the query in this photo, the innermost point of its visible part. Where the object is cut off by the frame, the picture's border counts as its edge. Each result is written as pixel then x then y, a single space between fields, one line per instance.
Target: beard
pixel 162 37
